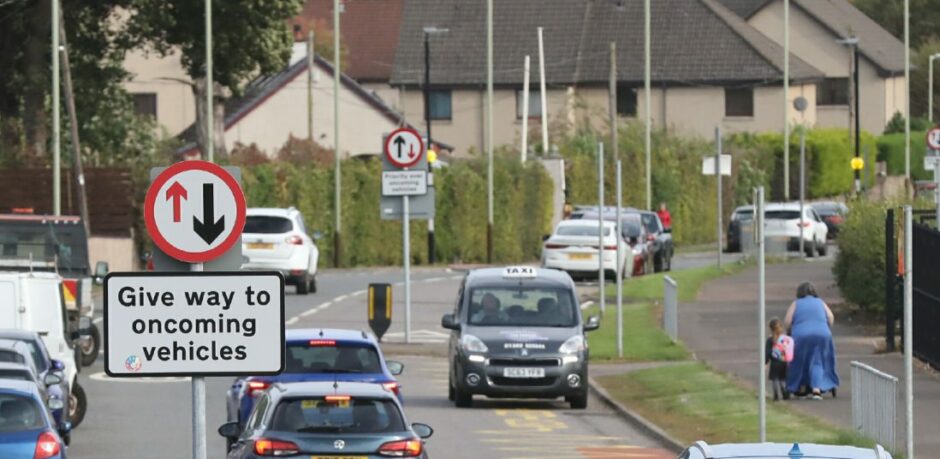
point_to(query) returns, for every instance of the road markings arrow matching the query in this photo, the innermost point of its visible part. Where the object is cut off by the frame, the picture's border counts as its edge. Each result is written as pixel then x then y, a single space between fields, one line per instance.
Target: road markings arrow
pixel 399 142
pixel 206 229
pixel 176 192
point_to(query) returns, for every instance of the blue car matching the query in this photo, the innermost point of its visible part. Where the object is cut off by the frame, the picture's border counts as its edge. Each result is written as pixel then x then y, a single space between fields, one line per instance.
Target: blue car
pixel 69 391
pixel 22 352
pixel 27 430
pixel 319 355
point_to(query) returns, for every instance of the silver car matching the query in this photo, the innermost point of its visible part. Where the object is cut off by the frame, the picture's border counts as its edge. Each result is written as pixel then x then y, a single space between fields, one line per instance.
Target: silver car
pixel 702 450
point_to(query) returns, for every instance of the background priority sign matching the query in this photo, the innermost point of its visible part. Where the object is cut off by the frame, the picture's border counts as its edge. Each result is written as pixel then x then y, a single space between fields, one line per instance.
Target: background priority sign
pixel 193 324
pixel 194 211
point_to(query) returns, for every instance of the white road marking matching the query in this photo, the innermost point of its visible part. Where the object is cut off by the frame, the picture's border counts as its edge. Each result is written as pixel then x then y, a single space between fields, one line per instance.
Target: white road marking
pixel 357 293
pixel 292 320
pixel 340 298
pixel 419 336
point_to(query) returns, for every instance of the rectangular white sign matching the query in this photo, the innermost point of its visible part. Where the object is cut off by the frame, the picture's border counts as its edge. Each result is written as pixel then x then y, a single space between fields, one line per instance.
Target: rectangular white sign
pixel 404 183
pixel 193 324
pixel 708 165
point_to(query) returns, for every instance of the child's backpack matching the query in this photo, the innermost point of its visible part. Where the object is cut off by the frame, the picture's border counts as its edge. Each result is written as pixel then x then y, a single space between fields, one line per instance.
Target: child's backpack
pixel 783 349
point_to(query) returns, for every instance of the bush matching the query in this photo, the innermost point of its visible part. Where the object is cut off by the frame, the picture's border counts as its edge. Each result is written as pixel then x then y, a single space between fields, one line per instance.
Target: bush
pixel 860 262
pixel 891 151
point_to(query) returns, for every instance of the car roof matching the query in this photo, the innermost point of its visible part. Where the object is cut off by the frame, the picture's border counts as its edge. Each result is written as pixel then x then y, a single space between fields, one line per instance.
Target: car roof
pixel 36 275
pixel 19 387
pixel 17 334
pixel 271 212
pixel 494 276
pixel 14 344
pixel 584 222
pixel 782 206
pixel 786 451
pixel 296 334
pixel 626 215
pixel 322 388
pixel 14 366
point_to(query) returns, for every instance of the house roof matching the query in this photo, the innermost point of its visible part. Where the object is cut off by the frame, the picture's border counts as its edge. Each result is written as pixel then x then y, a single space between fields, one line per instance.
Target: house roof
pixel 843 20
pixel 693 42
pixel 369 30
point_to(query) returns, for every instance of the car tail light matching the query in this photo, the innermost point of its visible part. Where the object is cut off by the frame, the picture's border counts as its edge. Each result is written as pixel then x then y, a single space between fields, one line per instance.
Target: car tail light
pixel 835 219
pixel 256 387
pixel 651 237
pixel 322 343
pixel 47 446
pixel 269 447
pixel 295 240
pixel 610 247
pixel 402 448
pixel 556 246
pixel 392 386
pixel 337 398
pixel 803 224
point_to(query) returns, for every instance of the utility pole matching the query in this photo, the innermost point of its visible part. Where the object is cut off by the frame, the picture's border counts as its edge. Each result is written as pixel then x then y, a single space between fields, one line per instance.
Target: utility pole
pixel 786 102
pixel 523 149
pixel 77 169
pixel 612 92
pixel 427 120
pixel 545 146
pixel 489 131
pixel 210 107
pixel 646 93
pixel 337 208
pixel 907 94
pixel 930 88
pixel 56 122
pixel 858 118
pixel 310 60
pixel 718 186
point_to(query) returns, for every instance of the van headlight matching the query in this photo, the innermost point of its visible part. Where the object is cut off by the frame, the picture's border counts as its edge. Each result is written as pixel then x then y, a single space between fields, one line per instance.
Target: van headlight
pixel 573 345
pixel 471 343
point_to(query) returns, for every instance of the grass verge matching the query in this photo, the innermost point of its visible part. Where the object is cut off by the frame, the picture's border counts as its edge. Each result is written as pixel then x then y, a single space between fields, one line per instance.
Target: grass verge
pixel 643 338
pixel 689 281
pixel 692 402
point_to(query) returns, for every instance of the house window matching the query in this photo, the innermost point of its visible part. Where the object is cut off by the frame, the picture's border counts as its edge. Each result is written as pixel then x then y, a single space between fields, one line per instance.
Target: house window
pixel 145 104
pixel 626 101
pixel 440 102
pixel 739 101
pixel 535 104
pixel 833 91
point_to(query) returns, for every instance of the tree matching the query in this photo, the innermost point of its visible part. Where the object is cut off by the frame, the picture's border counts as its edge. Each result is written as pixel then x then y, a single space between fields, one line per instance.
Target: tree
pixel 925 15
pixel 249 37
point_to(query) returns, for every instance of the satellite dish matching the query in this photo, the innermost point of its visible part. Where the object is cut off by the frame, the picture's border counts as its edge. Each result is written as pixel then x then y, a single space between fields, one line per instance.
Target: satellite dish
pixel 800 104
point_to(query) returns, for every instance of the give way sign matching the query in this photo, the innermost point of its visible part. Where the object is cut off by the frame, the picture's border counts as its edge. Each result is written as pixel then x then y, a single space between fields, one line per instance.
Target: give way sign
pixel 404 148
pixel 194 211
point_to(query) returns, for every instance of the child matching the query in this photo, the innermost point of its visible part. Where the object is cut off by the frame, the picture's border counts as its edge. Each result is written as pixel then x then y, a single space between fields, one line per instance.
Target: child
pixel 778 353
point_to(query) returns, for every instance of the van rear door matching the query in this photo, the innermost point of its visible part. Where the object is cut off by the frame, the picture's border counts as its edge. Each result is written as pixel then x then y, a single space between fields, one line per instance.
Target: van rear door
pixel 46 312
pixel 9 304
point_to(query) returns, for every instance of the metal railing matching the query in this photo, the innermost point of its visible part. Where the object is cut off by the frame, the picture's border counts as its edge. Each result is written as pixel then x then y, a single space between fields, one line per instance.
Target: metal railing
pixel 874 404
pixel 671 308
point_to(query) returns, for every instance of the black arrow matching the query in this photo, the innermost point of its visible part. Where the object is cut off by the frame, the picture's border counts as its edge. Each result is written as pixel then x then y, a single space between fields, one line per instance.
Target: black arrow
pixel 207 230
pixel 399 141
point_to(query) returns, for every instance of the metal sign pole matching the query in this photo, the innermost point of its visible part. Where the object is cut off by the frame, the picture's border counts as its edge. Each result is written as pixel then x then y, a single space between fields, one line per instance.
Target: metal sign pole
pixel 620 268
pixel 761 319
pixel 718 178
pixel 908 332
pixel 802 187
pixel 406 253
pixel 199 404
pixel 600 226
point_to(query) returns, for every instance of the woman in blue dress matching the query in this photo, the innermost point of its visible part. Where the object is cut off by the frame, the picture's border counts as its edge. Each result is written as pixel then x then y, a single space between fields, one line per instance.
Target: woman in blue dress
pixel 813 369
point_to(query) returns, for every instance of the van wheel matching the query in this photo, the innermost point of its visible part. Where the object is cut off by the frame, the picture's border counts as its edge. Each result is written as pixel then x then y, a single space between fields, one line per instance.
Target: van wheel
pixel 89 347
pixel 577 402
pixel 78 404
pixel 451 393
pixel 303 285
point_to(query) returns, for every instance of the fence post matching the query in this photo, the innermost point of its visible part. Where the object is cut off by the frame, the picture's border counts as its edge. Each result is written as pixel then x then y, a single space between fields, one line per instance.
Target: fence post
pixel 874 404
pixel 891 260
pixel 671 308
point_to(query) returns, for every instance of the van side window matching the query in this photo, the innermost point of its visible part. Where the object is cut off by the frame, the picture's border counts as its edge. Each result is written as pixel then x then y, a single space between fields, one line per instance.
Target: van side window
pixel 457 306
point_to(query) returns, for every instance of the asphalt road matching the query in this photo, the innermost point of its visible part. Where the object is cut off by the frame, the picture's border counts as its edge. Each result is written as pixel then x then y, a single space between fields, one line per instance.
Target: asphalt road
pixel 151 418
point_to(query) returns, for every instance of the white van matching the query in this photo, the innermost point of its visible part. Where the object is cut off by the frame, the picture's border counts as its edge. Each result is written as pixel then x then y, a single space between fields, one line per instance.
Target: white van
pixel 34 302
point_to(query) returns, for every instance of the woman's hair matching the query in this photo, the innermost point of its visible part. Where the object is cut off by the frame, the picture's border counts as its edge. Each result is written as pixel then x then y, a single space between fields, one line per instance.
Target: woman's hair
pixel 806 289
pixel 776 327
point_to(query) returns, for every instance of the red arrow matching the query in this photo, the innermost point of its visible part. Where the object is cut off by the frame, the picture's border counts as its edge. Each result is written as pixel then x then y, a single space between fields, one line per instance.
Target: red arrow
pixel 176 192
pixel 411 152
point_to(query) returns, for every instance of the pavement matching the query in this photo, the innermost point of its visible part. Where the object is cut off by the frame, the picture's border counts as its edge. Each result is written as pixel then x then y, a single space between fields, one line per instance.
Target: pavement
pixel 720 328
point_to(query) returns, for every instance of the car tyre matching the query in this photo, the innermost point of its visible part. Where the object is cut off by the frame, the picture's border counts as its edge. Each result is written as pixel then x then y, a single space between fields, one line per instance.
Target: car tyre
pixel 462 399
pixel 658 262
pixel 312 285
pixel 577 402
pixel 303 285
pixel 810 249
pixel 89 347
pixel 823 249
pixel 451 392
pixel 669 263
pixel 77 405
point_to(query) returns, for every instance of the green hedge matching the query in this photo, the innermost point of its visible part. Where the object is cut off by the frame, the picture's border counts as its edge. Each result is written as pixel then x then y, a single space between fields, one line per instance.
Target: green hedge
pixel 891 151
pixel 860 264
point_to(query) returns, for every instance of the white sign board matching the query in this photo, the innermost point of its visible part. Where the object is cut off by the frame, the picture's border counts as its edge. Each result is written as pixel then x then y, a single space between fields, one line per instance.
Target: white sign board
pixel 404 148
pixel 194 324
pixel 404 183
pixel 708 165
pixel 933 138
pixel 930 162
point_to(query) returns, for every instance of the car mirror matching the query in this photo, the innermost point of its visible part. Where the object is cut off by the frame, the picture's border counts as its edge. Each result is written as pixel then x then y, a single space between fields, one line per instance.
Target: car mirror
pixel 230 430
pixel 101 270
pixel 65 428
pixel 449 322
pixel 52 378
pixel 317 235
pixel 55 403
pixel 395 367
pixel 593 323
pixel 58 365
pixel 667 230
pixel 545 237
pixel 422 430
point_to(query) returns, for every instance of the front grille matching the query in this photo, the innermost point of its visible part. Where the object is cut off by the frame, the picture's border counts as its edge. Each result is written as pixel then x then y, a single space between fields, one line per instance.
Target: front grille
pixel 530 382
pixel 511 362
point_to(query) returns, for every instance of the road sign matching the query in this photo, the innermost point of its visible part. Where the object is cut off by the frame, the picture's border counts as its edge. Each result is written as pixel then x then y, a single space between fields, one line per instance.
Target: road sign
pixel 404 148
pixel 933 138
pixel 708 165
pixel 404 183
pixel 380 308
pixel 194 211
pixel 193 324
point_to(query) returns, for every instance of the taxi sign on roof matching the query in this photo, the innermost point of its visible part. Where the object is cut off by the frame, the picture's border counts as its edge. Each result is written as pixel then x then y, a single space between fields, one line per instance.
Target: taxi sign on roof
pixel 519 272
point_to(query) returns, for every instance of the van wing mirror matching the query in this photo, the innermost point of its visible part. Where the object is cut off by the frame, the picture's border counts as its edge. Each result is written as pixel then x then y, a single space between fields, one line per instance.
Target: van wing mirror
pixel 230 430
pixel 449 322
pixel 593 323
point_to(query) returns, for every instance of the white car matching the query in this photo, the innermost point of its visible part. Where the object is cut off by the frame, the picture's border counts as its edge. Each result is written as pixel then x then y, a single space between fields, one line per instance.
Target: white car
pixel 277 240
pixel 572 247
pixel 782 224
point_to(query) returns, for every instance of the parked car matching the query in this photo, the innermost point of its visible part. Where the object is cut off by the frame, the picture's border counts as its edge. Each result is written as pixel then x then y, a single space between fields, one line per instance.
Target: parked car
pixel 327 419
pixel 740 218
pixel 48 387
pixel 833 214
pixel 573 247
pixel 636 236
pixel 277 240
pixel 34 303
pixel 659 236
pixel 27 430
pixel 319 355
pixel 783 221
pixel 31 344
pixel 702 450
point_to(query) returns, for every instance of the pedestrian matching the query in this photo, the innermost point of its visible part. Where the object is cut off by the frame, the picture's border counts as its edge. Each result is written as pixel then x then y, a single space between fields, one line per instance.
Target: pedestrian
pixel 664 216
pixel 778 353
pixel 813 369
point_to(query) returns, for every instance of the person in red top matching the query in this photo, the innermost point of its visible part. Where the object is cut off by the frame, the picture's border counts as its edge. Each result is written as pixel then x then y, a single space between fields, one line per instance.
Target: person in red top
pixel 664 215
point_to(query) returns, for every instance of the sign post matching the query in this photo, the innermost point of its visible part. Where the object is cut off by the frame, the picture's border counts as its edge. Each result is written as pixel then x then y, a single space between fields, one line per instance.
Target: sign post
pixel 717 165
pixel 932 161
pixel 404 149
pixel 761 308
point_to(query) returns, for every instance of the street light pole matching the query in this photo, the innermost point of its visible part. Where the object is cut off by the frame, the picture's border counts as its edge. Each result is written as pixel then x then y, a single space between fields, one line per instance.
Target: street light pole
pixel 786 100
pixel 489 131
pixel 907 94
pixel 337 209
pixel 930 88
pixel 852 42
pixel 427 120
pixel 646 93
pixel 56 144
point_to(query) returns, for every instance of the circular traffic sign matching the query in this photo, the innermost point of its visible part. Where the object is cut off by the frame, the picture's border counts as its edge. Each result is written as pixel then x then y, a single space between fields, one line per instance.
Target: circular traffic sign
pixel 194 211
pixel 404 148
pixel 933 138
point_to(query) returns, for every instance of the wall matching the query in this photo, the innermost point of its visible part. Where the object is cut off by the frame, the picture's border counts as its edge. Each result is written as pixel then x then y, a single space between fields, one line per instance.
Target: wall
pixel 895 96
pixel 117 251
pixel 164 76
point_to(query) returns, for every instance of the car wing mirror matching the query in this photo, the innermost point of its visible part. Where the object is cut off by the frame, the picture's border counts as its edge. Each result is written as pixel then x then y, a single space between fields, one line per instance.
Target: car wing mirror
pixel 545 237
pixel 667 230
pixel 101 270
pixel 58 365
pixel 449 322
pixel 395 367
pixel 317 235
pixel 52 378
pixel 422 430
pixel 230 430
pixel 55 403
pixel 593 323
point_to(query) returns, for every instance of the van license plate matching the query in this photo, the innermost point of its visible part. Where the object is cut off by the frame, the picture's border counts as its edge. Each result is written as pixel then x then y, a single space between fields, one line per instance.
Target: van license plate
pixel 523 372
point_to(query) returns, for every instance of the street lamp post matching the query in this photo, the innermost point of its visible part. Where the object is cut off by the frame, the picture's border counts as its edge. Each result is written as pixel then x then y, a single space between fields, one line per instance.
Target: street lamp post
pixel 853 43
pixel 428 31
pixel 930 87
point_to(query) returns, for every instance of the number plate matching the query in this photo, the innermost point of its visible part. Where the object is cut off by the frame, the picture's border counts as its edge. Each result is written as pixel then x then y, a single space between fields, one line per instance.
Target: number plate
pixel 260 245
pixel 523 372
pixel 579 256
